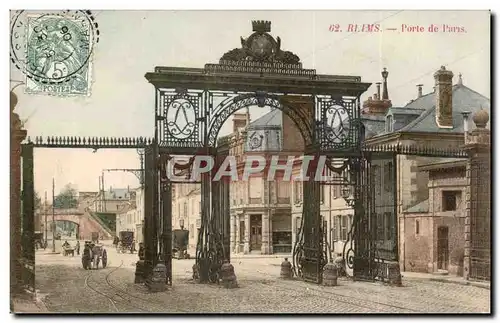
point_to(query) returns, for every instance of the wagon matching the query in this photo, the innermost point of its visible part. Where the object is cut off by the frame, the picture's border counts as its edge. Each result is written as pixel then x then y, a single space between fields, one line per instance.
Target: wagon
pixel 94 255
pixel 126 242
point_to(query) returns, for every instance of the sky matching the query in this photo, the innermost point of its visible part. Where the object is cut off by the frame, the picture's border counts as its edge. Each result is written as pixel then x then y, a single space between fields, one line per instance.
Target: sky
pixel 134 42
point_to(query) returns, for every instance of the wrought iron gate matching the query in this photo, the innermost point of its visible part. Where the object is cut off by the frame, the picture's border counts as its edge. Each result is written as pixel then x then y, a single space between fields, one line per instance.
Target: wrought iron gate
pixel 192 105
pixel 372 241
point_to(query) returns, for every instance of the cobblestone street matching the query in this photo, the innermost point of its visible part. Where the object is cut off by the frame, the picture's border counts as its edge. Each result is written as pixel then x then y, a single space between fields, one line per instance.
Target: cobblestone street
pixel 65 287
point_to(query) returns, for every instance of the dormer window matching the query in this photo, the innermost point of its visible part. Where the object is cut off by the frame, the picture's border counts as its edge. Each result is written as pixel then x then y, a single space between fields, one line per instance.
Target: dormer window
pixel 389 123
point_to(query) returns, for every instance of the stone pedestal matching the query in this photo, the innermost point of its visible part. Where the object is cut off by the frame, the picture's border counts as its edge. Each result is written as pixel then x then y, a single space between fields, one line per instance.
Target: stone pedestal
pixel 157 282
pixel 330 274
pixel 477 210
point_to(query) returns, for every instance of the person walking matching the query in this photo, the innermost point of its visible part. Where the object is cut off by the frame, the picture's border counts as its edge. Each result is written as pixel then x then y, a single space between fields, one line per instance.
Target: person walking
pixel 77 247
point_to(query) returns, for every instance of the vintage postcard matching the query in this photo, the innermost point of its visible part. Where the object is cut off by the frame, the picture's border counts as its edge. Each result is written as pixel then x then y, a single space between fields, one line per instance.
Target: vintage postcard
pixel 250 162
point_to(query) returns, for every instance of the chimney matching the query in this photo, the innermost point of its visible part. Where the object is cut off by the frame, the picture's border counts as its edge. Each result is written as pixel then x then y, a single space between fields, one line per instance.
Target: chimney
pixel 378 105
pixel 378 89
pixel 419 87
pixel 444 107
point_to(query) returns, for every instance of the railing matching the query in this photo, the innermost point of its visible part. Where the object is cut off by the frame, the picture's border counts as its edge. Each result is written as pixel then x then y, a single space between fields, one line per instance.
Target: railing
pixel 282 248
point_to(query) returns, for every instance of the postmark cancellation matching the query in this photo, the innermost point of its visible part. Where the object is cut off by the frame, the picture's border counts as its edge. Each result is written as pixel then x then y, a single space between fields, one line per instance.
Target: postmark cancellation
pixel 54 51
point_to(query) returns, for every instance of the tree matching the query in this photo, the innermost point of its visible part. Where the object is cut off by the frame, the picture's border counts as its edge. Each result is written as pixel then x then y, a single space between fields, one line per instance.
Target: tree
pixel 66 199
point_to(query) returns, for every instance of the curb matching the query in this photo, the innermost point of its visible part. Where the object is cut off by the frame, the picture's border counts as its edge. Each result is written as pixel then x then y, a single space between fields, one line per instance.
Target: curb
pixel 461 282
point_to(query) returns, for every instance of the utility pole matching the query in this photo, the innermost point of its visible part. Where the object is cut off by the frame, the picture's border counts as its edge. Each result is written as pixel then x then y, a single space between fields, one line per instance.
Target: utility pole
pixel 45 211
pixel 103 192
pixel 53 216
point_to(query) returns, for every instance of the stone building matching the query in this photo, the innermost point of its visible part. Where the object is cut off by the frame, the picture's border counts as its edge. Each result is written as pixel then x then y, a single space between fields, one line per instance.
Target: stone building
pixel 436 121
pixel 434 228
pixel 131 218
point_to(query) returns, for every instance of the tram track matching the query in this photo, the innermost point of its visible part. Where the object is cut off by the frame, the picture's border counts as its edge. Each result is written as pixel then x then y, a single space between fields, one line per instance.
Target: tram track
pixel 351 300
pixel 118 296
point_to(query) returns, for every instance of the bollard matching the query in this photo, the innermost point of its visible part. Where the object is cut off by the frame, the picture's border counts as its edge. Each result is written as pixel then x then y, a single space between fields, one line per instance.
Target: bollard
pixel 339 261
pixel 158 280
pixel 330 274
pixel 227 275
pixel 196 272
pixel 286 269
pixel 139 272
pixel 394 274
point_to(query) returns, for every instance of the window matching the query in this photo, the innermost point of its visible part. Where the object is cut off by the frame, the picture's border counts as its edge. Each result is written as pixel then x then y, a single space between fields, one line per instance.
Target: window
pixel 242 231
pixel 388 177
pixel 417 227
pixel 344 228
pixel 335 228
pixel 450 200
pixel 389 124
pixel 191 230
pixel 185 208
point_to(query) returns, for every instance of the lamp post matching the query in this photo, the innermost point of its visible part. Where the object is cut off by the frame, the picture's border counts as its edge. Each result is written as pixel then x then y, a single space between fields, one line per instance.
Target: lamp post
pixel 53 216
pixel 346 194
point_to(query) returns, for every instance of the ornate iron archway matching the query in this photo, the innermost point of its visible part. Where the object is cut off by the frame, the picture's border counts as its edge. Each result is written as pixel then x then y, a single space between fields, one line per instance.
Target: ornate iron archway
pixel 191 107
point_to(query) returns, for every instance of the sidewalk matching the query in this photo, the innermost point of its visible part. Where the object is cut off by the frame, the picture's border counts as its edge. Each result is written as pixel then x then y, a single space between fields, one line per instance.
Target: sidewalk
pixel 27 304
pixel 444 279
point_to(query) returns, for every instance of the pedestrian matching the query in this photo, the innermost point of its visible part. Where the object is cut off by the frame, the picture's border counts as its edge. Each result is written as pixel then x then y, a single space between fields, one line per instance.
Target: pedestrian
pixel 77 247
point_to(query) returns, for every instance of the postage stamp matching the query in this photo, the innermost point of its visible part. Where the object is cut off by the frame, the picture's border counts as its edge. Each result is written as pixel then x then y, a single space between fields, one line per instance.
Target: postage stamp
pixel 54 51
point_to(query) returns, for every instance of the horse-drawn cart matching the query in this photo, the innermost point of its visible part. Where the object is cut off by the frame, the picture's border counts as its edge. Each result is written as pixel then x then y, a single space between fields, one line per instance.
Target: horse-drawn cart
pixel 93 255
pixel 126 242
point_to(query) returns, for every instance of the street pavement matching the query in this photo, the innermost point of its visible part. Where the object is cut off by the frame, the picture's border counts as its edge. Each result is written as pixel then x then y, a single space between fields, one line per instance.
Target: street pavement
pixel 65 287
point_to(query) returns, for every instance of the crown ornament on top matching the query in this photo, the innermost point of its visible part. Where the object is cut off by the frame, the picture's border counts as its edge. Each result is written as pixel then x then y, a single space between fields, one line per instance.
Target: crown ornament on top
pixel 261 26
pixel 261 47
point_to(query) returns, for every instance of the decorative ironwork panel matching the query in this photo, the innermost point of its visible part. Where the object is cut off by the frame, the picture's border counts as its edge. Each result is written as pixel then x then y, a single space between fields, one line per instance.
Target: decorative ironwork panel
pixel 28 218
pixel 232 103
pixel 383 187
pixel 181 117
pixel 480 219
pixel 308 253
pixel 338 123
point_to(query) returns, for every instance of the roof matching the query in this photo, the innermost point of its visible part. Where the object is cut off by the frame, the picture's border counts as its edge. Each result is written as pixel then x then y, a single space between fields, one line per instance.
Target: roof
pixel 422 207
pixel 374 125
pixel 464 99
pixel 272 118
pixel 440 163
pixel 405 111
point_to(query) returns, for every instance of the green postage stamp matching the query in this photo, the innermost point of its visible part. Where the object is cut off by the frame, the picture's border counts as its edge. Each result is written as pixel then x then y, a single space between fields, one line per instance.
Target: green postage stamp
pixel 57 55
